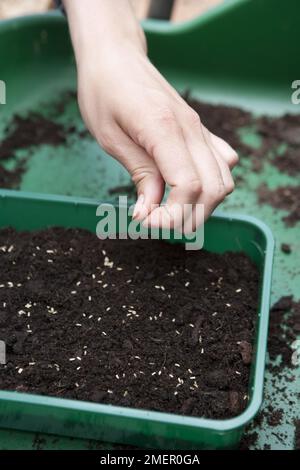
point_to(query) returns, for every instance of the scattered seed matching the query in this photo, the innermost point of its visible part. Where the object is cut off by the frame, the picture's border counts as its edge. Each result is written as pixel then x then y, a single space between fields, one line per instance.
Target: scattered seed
pixel 20 370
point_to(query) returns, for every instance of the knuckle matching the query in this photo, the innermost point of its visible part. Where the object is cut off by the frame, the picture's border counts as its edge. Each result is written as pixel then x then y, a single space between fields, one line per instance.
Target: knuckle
pixel 192 187
pixel 192 117
pixel 230 186
pixel 233 159
pixel 216 194
pixel 166 117
pixel 195 187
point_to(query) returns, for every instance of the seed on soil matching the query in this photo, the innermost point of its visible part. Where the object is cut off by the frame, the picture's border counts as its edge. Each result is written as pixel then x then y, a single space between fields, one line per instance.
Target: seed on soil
pixel 152 343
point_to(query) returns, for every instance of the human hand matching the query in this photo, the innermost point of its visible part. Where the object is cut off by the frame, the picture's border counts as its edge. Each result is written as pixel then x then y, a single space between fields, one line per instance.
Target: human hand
pixel 139 119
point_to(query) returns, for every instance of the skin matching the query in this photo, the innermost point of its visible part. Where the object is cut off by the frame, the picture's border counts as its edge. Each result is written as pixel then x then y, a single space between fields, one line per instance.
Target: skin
pixel 141 120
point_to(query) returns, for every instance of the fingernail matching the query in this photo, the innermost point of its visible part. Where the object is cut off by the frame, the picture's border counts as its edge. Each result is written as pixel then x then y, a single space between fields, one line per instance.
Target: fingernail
pixel 138 206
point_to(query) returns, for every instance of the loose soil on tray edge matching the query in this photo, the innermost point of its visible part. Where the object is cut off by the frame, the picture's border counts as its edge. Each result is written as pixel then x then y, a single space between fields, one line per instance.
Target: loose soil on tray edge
pixel 132 323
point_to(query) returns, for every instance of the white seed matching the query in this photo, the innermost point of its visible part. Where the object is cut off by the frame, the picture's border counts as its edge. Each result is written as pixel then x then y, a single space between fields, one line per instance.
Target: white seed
pixel 20 370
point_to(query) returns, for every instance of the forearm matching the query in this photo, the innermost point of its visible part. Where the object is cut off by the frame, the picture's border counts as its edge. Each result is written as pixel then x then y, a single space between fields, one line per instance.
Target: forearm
pixel 96 25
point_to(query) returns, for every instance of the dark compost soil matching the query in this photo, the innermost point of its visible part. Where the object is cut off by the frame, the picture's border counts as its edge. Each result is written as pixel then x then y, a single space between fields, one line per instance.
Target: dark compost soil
pixel 133 323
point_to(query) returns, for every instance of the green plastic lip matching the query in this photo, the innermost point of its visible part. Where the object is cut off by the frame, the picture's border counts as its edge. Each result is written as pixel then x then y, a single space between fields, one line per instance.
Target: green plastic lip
pixel 167 418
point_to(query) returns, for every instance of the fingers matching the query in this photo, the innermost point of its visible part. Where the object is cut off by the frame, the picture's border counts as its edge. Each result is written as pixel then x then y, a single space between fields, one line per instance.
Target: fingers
pixel 224 150
pixel 143 170
pixel 212 165
pixel 163 139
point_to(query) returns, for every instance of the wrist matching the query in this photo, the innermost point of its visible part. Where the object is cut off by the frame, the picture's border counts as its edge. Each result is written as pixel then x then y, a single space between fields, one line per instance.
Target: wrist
pixel 98 26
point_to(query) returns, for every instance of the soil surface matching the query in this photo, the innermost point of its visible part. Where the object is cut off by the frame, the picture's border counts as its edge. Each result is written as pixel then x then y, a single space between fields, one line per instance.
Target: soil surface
pixel 284 197
pixel 133 323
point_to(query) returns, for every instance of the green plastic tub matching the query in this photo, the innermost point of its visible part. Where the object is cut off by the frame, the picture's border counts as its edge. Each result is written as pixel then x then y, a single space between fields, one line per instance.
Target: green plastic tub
pixel 127 425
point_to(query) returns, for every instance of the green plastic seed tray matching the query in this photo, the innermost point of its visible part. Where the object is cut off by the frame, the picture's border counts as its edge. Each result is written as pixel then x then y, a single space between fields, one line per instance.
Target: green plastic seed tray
pixel 29 412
